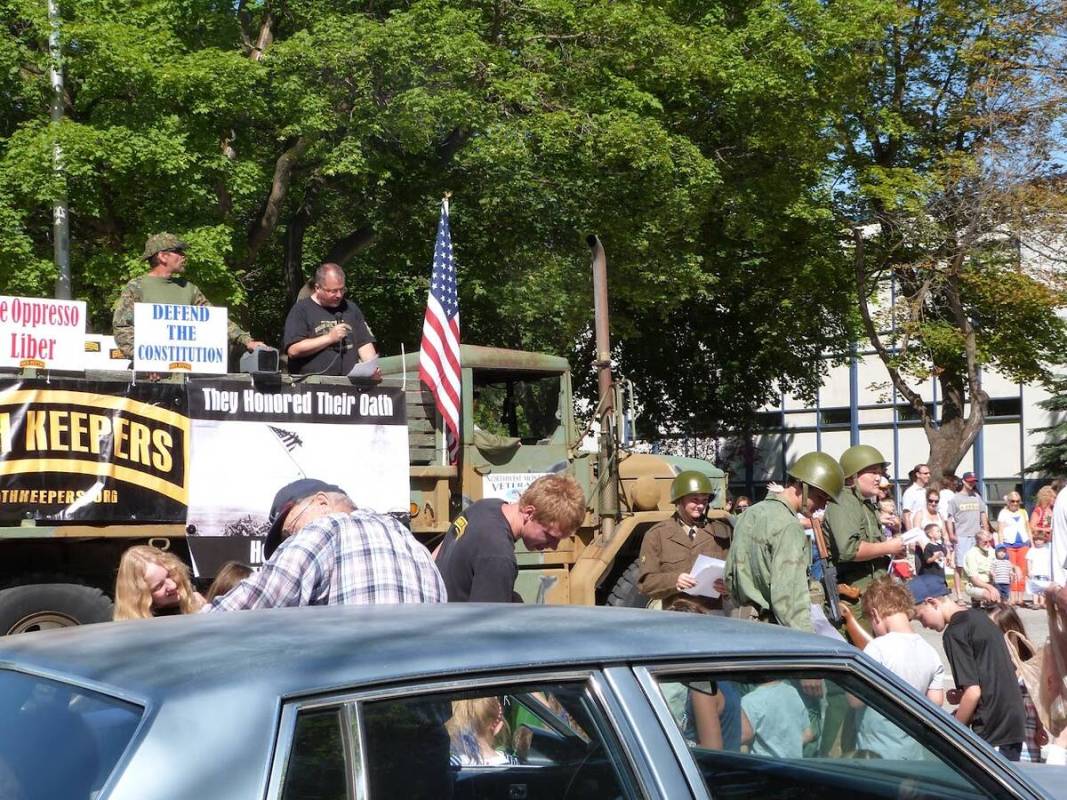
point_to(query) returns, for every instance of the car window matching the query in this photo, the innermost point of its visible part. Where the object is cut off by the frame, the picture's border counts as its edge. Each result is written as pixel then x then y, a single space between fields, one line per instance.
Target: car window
pixel 784 735
pixel 316 769
pixel 58 740
pixel 546 740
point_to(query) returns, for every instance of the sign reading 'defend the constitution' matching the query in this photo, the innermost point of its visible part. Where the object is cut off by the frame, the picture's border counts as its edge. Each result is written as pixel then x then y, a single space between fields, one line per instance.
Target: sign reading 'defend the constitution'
pixel 42 333
pixel 170 338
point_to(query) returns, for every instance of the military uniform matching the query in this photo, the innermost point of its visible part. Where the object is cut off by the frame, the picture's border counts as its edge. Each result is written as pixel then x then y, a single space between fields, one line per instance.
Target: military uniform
pixel 849 523
pixel 153 289
pixel 668 550
pixel 767 568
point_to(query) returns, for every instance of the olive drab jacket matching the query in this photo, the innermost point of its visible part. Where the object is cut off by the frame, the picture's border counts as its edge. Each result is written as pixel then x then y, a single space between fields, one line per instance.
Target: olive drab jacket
pixel 848 523
pixel 767 568
pixel 668 550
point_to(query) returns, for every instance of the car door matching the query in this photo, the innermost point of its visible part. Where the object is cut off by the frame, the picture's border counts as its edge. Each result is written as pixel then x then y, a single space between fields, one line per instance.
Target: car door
pixel 532 736
pixel 775 729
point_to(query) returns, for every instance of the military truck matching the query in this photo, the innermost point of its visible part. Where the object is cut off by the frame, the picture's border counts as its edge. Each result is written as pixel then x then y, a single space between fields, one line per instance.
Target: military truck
pixel 517 422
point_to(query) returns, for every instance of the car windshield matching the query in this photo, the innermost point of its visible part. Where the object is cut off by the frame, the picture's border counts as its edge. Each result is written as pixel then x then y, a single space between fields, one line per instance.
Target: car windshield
pixel 59 741
pixel 522 406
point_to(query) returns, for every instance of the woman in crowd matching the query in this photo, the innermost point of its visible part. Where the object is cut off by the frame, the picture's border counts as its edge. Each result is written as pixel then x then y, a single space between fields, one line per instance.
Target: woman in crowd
pixel 1013 532
pixel 478 733
pixel 230 574
pixel 153 583
pixel 1007 619
pixel 1041 516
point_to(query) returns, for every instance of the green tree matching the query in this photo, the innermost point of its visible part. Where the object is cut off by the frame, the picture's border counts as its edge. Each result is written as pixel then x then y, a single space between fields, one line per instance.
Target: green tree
pixel 273 136
pixel 1051 455
pixel 948 184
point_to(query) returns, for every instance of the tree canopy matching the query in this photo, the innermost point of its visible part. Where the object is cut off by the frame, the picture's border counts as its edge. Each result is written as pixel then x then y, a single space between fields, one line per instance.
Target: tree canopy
pixel 705 143
pixel 273 136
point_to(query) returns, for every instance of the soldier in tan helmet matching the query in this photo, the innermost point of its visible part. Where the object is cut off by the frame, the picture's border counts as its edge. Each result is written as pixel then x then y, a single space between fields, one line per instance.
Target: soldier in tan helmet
pixel 163 283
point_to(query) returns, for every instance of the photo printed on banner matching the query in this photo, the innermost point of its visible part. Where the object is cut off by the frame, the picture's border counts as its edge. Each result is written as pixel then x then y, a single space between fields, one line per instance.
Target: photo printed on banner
pixel 249 443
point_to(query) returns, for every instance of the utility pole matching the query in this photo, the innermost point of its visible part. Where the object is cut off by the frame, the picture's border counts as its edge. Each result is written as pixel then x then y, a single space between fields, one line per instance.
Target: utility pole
pixel 60 221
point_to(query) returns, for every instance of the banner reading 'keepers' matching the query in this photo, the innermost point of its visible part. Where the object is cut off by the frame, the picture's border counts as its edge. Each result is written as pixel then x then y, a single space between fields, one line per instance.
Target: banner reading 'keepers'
pixel 93 450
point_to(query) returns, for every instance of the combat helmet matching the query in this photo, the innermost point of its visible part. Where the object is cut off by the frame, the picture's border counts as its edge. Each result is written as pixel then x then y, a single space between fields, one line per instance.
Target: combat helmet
pixel 689 482
pixel 159 242
pixel 819 470
pixel 860 456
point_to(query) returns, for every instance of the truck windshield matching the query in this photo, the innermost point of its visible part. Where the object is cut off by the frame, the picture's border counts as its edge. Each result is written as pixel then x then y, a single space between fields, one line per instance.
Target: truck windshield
pixel 520 405
pixel 59 741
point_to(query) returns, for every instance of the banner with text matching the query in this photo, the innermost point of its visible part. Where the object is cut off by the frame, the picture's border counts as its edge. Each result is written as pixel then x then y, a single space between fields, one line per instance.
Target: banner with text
pixel 170 338
pixel 93 450
pixel 354 437
pixel 41 333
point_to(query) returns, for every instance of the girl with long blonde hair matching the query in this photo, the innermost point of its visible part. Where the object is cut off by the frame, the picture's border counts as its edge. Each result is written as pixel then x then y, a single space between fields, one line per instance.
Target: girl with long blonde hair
pixel 153 583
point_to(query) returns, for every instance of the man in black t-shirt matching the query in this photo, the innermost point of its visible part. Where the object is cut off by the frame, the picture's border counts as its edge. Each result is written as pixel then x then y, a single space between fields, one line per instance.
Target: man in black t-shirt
pixel 991 702
pixel 325 334
pixel 477 556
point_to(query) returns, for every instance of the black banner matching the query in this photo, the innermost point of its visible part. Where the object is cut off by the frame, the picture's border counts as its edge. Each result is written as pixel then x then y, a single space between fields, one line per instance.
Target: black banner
pixel 101 451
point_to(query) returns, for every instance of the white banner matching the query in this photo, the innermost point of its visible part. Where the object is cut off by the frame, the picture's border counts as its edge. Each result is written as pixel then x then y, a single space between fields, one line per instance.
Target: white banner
pixel 42 333
pixel 170 338
pixel 508 486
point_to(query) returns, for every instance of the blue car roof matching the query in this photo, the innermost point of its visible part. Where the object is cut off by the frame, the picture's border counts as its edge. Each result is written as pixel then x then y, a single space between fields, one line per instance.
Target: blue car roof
pixel 295 651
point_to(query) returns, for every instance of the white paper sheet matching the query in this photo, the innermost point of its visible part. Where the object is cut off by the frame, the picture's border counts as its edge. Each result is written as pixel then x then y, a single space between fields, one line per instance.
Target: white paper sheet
pixel 364 369
pixel 706 571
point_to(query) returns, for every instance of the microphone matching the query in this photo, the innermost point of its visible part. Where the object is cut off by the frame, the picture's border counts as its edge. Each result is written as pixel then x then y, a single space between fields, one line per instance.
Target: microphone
pixel 340 321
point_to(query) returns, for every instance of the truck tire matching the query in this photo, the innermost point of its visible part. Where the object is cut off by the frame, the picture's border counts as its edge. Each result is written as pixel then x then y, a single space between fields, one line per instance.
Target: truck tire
pixel 43 606
pixel 625 592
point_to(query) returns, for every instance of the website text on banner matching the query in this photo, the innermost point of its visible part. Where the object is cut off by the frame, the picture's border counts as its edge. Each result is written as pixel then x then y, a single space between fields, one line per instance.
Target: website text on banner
pixel 171 338
pixel 41 333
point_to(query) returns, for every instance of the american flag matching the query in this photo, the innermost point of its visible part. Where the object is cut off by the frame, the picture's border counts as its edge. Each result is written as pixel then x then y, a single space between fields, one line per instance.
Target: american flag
pixel 439 357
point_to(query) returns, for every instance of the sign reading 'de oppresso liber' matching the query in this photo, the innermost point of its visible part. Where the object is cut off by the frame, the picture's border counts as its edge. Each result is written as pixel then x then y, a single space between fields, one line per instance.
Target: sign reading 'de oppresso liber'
pixel 170 338
pixel 42 333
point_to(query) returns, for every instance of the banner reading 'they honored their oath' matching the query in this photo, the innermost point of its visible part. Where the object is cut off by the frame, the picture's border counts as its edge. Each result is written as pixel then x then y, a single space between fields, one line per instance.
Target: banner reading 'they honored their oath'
pixel 249 443
pixel 100 451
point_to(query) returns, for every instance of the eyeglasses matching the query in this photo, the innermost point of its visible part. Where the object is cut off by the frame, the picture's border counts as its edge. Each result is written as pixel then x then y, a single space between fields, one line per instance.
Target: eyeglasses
pixel 1014 501
pixel 932 499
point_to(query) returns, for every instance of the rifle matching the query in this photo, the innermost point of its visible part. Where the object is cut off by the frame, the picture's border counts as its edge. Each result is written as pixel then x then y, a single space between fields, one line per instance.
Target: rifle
pixel 829 574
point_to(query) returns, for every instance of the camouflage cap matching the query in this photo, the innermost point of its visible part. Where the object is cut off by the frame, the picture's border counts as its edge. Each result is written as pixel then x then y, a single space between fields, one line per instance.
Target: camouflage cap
pixel 159 242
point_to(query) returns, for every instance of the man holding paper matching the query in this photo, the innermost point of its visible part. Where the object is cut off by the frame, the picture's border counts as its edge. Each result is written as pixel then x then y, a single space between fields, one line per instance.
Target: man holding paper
pixel 326 334
pixel 676 552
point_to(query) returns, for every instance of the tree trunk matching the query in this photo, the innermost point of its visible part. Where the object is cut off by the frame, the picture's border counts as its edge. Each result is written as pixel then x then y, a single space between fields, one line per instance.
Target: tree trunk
pixel 294 255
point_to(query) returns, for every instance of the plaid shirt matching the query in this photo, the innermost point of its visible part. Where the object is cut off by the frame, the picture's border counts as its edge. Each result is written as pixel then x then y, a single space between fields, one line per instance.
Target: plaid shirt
pixel 361 558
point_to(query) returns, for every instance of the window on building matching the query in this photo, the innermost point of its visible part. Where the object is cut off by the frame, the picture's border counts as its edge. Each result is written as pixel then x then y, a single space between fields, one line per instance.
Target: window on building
pixel 907 413
pixel 1005 407
pixel 835 416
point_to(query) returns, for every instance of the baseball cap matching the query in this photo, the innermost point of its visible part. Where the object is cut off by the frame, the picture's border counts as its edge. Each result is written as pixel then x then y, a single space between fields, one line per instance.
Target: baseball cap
pixel 924 587
pixel 970 477
pixel 287 497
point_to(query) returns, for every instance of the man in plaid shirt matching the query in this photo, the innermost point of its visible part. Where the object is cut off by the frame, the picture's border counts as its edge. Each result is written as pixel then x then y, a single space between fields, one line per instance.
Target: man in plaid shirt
pixel 322 550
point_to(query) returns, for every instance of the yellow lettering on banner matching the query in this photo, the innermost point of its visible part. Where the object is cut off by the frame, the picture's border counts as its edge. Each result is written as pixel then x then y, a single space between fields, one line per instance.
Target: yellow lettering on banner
pixel 163 441
pixel 99 427
pixel 57 427
pixel 77 431
pixel 5 433
pixel 139 437
pixel 122 434
pixel 36 438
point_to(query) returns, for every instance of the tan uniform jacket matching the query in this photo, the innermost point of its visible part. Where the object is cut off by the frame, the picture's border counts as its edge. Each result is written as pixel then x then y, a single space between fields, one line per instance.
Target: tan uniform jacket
pixel 667 551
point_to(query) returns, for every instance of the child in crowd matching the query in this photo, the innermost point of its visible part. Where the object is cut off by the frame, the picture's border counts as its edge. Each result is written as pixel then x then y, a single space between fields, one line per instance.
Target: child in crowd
pixel 990 703
pixel 478 733
pixel 889 606
pixel 774 721
pixel 153 583
pixel 935 554
pixel 1003 573
pixel 887 515
pixel 1039 569
pixel 230 574
pixel 1007 619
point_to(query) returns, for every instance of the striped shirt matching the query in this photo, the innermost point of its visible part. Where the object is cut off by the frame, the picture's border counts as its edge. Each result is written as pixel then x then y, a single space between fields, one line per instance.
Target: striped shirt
pixel 357 558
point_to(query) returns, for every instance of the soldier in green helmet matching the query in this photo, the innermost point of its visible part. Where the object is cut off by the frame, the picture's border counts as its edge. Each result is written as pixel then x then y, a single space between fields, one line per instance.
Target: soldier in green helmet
pixel 854 533
pixel 163 283
pixel 670 548
pixel 767 569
